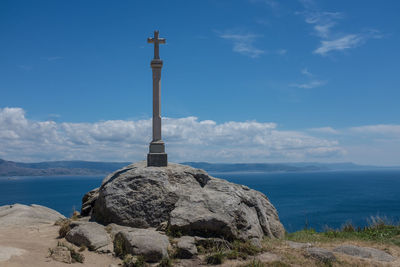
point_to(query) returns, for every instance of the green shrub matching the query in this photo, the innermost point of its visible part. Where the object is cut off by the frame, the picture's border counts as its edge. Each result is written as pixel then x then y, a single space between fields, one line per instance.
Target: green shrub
pixel 215 258
pixel 64 227
pixel 254 263
pixel 140 262
pixel 165 262
pixel 76 256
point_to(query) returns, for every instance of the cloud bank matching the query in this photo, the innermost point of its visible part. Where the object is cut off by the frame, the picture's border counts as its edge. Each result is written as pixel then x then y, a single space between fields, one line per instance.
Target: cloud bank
pixel 187 139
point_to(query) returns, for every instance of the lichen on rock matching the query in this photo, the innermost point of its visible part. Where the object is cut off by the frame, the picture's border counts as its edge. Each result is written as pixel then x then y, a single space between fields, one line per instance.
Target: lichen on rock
pixel 190 200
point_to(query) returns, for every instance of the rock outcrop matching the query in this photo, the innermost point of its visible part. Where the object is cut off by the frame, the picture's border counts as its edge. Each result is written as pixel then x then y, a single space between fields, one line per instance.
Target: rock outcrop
pixel 191 201
pixel 148 243
pixel 23 215
pixel 88 234
pixel 186 247
pixel 365 252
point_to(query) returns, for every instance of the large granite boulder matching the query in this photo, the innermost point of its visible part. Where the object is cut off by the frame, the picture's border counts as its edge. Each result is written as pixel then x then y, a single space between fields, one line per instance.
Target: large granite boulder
pixel 148 243
pixel 23 215
pixel 191 201
pixel 89 234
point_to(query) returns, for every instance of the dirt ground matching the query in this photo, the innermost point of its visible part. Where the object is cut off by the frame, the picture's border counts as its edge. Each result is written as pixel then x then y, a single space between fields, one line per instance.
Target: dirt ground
pixel 33 244
pixel 29 247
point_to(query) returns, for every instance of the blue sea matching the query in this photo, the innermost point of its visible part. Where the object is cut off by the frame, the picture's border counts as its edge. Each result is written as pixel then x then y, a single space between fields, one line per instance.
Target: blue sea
pixel 303 199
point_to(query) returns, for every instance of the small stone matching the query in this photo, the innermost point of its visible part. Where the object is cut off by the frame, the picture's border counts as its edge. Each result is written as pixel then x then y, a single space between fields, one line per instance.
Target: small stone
pixel 162 227
pixel 152 245
pixel 298 245
pixel 89 234
pixel 365 252
pixel 61 254
pixel 186 247
pixel 321 254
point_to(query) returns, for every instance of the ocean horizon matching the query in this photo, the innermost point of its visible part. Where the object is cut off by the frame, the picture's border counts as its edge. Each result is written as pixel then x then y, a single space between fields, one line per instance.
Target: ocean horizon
pixel 318 199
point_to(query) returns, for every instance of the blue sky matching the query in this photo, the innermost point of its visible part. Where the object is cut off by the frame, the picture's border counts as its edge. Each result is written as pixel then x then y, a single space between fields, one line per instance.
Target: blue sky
pixel 243 81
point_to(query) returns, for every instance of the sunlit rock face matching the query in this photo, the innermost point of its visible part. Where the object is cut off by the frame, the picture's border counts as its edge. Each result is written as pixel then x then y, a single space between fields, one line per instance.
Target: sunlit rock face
pixel 188 199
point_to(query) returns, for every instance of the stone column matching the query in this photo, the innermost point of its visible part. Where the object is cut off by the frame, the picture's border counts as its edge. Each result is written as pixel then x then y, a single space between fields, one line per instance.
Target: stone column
pixel 157 156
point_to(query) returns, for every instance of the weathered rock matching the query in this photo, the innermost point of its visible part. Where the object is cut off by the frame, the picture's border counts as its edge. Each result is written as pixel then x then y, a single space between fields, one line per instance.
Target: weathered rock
pixel 163 227
pixel 152 245
pixel 23 215
pixel 365 252
pixel 88 201
pixel 186 247
pixel 89 234
pixel 61 254
pixel 321 254
pixel 193 203
pixel 298 245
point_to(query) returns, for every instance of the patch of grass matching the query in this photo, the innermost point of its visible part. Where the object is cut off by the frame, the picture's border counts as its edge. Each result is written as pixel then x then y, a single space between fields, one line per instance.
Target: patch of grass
pixel 76 256
pixel 140 262
pixel 127 260
pixel 173 232
pixel 377 231
pixel 75 216
pixel 245 247
pixel 165 262
pixel 82 248
pixel 254 263
pixel 108 229
pixel 242 250
pixel 276 264
pixel 64 227
pixel 119 247
pixel 218 251
pixel 215 258
pixel 212 245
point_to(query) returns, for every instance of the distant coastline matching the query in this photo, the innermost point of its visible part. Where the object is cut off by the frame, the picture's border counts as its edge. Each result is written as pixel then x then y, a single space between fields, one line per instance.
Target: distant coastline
pixel 88 168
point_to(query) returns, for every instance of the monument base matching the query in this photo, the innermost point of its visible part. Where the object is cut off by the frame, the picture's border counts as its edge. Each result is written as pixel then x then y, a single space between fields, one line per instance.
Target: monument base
pixel 157 160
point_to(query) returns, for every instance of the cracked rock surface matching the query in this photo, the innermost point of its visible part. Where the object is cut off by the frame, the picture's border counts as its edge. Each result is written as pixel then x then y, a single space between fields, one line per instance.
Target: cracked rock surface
pixel 190 200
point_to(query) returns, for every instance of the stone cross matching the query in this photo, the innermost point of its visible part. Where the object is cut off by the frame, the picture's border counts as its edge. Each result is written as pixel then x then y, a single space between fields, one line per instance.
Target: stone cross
pixel 157 156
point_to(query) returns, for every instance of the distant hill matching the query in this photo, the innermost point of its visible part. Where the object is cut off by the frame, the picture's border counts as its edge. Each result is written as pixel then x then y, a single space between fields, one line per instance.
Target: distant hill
pixel 53 168
pixel 279 167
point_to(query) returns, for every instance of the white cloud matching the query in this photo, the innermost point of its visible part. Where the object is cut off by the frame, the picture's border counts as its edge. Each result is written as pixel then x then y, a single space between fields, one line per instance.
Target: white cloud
pixel 309 85
pixel 243 43
pixel 187 139
pixel 345 42
pixel 323 23
pixel 306 72
pixel 325 130
pixel 389 130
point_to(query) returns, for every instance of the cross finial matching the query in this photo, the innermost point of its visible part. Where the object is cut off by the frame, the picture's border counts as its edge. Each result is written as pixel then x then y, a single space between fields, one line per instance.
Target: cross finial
pixel 156 42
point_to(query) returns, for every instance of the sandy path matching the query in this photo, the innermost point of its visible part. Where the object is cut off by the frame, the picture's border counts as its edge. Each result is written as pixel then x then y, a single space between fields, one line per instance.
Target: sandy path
pixel 29 246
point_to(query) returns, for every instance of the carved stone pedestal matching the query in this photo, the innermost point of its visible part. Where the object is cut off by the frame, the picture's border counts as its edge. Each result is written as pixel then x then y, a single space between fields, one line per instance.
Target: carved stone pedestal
pixel 157 156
